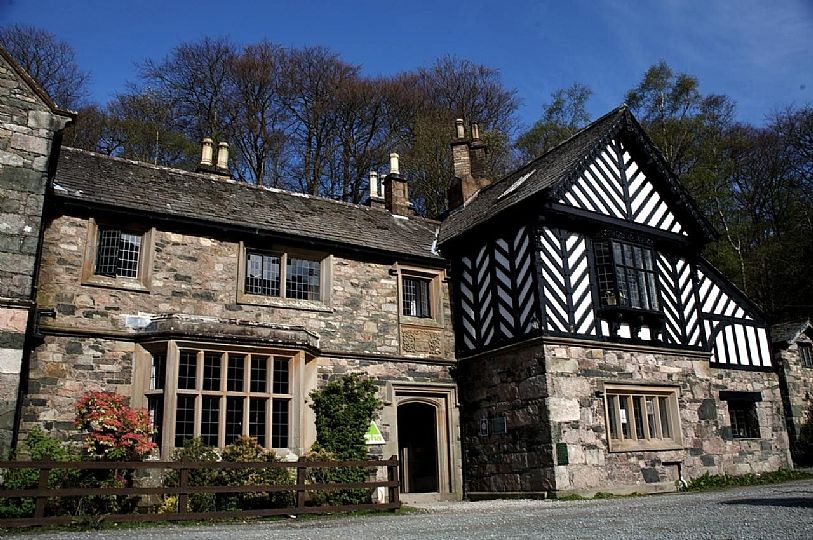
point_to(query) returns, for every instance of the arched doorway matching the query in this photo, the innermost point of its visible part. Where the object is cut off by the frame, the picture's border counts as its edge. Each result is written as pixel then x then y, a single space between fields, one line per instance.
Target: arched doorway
pixel 418 447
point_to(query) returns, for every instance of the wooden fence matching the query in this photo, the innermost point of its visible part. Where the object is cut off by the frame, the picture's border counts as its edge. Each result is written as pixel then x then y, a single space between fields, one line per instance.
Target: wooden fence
pixel 183 490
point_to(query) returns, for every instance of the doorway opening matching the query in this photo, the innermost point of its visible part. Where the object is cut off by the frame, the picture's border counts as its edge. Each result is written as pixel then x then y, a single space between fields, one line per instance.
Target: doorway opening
pixel 418 447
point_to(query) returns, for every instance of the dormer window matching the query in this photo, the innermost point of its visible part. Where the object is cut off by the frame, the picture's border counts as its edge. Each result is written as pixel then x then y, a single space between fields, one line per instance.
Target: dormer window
pixel 626 275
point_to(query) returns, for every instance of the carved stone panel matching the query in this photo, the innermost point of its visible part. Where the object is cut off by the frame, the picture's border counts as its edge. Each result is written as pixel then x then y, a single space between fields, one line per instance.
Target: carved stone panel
pixel 421 341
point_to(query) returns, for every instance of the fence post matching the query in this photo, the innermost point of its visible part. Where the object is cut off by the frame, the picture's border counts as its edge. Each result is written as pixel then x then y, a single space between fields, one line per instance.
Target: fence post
pixel 183 496
pixel 39 508
pixel 392 476
pixel 301 474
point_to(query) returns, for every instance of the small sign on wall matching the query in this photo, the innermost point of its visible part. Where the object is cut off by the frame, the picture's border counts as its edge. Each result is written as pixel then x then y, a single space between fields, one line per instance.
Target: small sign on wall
pixel 484 427
pixel 499 425
pixel 373 435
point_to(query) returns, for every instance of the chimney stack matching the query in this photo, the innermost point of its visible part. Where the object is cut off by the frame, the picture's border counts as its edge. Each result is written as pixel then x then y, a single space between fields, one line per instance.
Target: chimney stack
pixel 206 165
pixel 206 152
pixel 396 191
pixel 469 155
pixel 376 193
pixel 223 155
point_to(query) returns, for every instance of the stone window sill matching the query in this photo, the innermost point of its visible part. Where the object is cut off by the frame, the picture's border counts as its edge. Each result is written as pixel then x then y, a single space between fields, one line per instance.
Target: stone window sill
pixel 283 303
pixel 427 322
pixel 121 284
pixel 616 447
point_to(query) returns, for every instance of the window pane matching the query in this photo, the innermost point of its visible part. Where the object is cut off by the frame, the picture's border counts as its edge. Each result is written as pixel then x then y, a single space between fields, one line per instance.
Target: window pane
pixel 211 370
pixel 259 374
pixel 666 426
pixel 612 404
pixel 155 408
pixel 279 424
pixel 262 274
pixel 158 371
pixel 184 419
pixel 639 421
pixel 256 419
pixel 416 297
pixel 302 279
pixel 234 419
pixel 653 292
pixel 650 418
pixel 625 417
pixel 281 376
pixel 210 420
pixel 107 252
pixel 187 370
pixel 129 248
pixel 236 369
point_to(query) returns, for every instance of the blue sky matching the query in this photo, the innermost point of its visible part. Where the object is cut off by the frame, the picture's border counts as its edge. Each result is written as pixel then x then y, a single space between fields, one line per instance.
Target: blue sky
pixel 760 52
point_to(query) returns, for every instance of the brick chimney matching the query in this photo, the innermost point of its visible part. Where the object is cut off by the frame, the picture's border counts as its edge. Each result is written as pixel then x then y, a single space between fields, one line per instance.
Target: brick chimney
pixel 469 155
pixel 396 192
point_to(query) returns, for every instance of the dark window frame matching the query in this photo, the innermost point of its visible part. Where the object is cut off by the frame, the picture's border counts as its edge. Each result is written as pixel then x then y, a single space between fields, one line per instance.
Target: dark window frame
pixel 742 414
pixel 626 274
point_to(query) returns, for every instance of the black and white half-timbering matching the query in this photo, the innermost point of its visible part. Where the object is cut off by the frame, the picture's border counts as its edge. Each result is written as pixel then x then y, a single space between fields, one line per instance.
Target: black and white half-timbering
pixel 622 357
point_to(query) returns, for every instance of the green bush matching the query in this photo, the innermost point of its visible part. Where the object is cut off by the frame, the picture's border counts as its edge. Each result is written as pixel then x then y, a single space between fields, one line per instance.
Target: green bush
pixel 718 481
pixel 41 447
pixel 344 409
pixel 245 450
pixel 336 475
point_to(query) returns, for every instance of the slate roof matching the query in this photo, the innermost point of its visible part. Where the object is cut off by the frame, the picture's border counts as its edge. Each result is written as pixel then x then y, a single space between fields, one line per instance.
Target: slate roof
pixel 97 179
pixel 787 333
pixel 557 165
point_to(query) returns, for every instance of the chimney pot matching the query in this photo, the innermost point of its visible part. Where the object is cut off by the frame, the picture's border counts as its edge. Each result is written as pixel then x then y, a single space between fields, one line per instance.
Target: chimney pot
pixel 374 193
pixel 394 164
pixel 223 155
pixel 206 152
pixel 459 129
pixel 475 131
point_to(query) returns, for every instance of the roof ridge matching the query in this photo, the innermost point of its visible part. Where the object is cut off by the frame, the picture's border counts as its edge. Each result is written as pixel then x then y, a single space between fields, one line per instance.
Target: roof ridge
pixel 229 180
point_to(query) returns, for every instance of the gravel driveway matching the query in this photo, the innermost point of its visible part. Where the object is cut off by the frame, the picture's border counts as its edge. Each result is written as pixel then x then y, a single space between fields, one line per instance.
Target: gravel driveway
pixel 781 511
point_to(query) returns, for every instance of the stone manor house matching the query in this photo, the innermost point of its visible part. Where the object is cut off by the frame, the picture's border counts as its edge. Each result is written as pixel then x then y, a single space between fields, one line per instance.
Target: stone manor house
pixel 558 332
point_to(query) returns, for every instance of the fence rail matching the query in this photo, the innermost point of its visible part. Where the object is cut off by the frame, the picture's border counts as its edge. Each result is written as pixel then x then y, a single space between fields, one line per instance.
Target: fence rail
pixel 183 490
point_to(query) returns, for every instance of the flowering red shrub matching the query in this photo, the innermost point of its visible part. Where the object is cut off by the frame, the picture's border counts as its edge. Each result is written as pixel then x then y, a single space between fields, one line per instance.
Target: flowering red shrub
pixel 116 431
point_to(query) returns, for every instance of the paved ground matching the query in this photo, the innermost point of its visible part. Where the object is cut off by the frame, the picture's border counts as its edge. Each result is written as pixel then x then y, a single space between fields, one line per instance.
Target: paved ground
pixel 782 511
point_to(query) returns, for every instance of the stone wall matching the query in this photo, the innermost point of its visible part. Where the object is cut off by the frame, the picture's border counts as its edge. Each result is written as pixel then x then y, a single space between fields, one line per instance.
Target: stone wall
pixel 564 389
pixel 27 128
pixel 797 382
pixel 198 275
pixel 512 385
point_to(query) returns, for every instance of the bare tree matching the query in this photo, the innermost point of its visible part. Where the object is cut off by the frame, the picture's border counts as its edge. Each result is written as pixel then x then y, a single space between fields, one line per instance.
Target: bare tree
pixel 256 122
pixel 50 61
pixel 191 82
pixel 311 77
